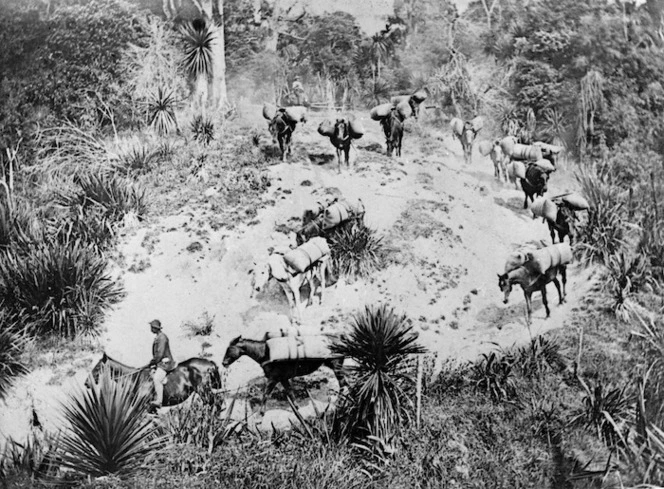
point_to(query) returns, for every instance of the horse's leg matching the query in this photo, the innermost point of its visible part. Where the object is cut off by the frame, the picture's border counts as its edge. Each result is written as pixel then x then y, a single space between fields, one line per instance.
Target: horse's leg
pixel 287 390
pixel 339 158
pixel 529 309
pixel 561 299
pixel 282 147
pixel 563 274
pixel 545 301
pixel 269 387
pixel 347 154
pixel 525 201
pixel 400 141
pixel 323 267
pixel 310 278
pixel 288 290
pixel 552 231
pixel 295 287
pixel 336 365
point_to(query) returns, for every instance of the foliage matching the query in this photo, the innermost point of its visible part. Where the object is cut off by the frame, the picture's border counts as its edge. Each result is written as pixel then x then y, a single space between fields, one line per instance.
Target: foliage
pixel 56 288
pixel 67 62
pixel 202 328
pixel 32 459
pixel 493 375
pixel 356 249
pixel 205 426
pixel 161 111
pixel 203 129
pixel 18 226
pixel 605 409
pixel 323 43
pixel 115 194
pixel 602 234
pixel 12 343
pixel 139 158
pixel 198 38
pixel 626 275
pixel 109 429
pixel 378 401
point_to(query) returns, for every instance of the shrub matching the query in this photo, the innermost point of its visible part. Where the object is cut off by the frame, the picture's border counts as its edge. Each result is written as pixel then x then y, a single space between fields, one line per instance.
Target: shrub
pixel 89 225
pixel 109 429
pixel 55 287
pixel 203 130
pixel 18 226
pixel 494 376
pixel 139 158
pixel 355 249
pixel 116 194
pixel 605 410
pixel 379 397
pixel 627 273
pixel 202 328
pixel 603 233
pixel 12 344
pixel 161 112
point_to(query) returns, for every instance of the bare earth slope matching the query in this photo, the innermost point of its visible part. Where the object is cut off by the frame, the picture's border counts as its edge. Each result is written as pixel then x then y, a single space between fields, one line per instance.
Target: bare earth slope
pixel 449 227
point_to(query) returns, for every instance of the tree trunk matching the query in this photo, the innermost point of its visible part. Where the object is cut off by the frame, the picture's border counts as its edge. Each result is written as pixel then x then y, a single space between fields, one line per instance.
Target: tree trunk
pixel 273 40
pixel 217 95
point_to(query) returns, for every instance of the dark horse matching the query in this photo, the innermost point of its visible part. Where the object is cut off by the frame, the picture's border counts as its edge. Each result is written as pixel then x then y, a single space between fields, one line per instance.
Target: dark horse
pixel 341 140
pixel 393 129
pixel 282 130
pixel 535 183
pixel 530 281
pixel 279 372
pixel 187 378
pixel 563 224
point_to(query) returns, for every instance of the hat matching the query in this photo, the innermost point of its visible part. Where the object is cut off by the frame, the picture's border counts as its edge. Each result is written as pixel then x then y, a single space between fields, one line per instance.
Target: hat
pixel 155 323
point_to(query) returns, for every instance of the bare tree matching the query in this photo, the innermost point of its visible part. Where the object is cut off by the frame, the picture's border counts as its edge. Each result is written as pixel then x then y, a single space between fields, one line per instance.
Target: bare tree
pixel 489 6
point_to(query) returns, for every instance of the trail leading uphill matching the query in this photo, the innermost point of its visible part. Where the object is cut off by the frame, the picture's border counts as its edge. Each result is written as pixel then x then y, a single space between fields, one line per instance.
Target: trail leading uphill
pixel 449 227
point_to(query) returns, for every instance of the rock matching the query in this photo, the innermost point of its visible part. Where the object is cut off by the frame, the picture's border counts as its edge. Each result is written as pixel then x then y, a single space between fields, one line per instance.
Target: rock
pixel 210 192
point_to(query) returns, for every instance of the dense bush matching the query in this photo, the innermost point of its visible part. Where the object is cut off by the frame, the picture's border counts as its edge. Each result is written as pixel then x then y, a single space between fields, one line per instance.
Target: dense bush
pixel 356 249
pixel 57 288
pixel 12 342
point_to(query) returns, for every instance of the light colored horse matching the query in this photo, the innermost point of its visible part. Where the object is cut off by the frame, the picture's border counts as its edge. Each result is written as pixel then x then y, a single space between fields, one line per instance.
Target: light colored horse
pixel 291 281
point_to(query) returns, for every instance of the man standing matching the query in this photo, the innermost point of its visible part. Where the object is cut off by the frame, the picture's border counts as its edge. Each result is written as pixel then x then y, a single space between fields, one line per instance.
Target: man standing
pixel 162 361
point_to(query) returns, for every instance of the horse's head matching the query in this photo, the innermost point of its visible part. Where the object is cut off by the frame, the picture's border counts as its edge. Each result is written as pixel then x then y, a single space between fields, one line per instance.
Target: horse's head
pixel 233 352
pixel 96 371
pixel 341 132
pixel 260 274
pixel 505 286
pixel 277 126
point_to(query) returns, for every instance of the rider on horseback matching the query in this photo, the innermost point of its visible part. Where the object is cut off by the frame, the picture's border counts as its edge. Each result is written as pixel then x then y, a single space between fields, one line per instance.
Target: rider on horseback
pixel 162 361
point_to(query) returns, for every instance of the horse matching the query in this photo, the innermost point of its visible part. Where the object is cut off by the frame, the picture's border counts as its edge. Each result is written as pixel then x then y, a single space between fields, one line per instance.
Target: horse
pixel 290 280
pixel 498 158
pixel 341 140
pixel 282 130
pixel 393 129
pixel 531 281
pixel 188 377
pixel 467 139
pixel 311 229
pixel 535 183
pixel 563 224
pixel 279 372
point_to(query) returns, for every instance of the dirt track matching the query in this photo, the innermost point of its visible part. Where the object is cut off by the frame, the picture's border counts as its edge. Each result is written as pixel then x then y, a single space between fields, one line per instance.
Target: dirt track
pixel 450 226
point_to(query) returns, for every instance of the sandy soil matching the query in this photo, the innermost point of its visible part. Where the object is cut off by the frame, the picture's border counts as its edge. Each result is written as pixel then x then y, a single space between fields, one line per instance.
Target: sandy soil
pixel 449 226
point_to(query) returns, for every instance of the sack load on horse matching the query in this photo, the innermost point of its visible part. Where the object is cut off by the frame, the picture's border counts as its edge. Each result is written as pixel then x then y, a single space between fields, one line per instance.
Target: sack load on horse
pixel 543 207
pixel 419 96
pixel 341 211
pixel 305 255
pixel 456 125
pixel 282 332
pixel 269 111
pixel 296 114
pixel 485 147
pixel 525 152
pixel 356 129
pixel 545 165
pixel 326 128
pixel 381 111
pixel 519 257
pixel 548 149
pixel 289 348
pixel 507 145
pixel 477 123
pixel 397 99
pixel 551 256
pixel 404 110
pixel 575 202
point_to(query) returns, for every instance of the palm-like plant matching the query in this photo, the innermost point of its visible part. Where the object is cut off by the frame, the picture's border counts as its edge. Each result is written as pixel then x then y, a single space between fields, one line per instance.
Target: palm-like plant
pixel 109 429
pixel 161 111
pixel 198 49
pixel 378 401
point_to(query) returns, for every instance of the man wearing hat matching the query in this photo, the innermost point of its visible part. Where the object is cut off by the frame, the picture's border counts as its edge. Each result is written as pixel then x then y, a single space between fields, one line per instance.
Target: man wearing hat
pixel 162 361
